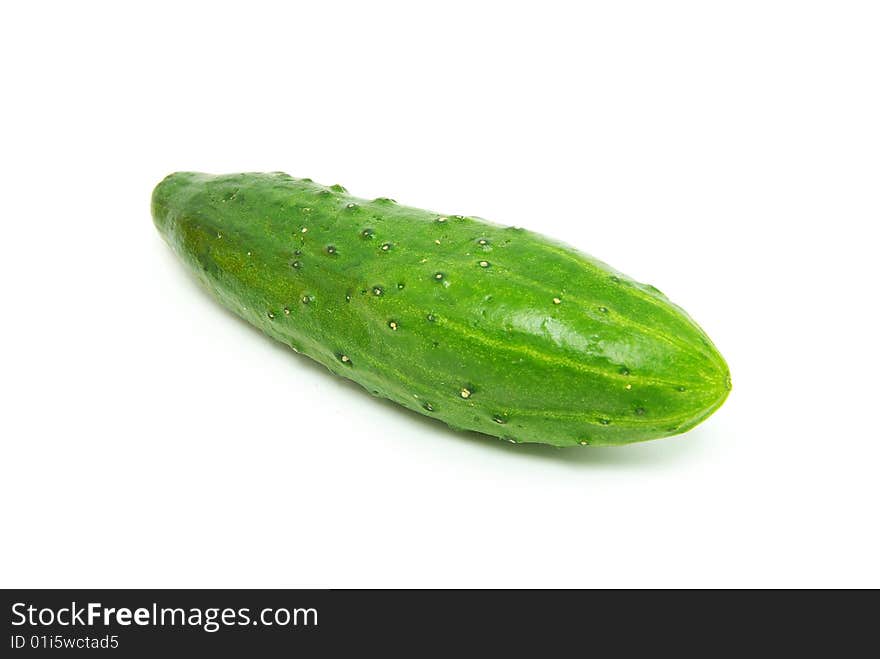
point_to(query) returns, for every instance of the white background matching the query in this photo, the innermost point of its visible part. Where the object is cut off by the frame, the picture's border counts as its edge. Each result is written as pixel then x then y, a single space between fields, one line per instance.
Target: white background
pixel 727 152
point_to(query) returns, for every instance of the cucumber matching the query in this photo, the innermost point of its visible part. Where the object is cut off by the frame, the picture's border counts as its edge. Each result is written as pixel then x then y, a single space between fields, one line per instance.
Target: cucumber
pixel 487 328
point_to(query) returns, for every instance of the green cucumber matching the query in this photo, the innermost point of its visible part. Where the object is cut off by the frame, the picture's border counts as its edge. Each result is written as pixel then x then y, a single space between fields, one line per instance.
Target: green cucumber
pixel 487 328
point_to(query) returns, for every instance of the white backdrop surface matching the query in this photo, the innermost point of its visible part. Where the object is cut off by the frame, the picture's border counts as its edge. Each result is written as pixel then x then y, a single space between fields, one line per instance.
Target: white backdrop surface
pixel 725 152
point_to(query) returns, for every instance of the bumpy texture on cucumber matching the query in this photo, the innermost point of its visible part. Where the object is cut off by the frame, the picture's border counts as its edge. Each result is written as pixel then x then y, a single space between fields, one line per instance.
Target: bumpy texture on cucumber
pixel 487 328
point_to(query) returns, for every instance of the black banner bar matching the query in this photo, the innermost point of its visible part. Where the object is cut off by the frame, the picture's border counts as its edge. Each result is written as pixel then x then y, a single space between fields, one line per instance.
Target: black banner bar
pixel 256 622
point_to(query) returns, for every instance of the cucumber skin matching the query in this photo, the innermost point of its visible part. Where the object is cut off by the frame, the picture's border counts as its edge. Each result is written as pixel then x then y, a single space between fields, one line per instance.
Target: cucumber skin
pixel 487 328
